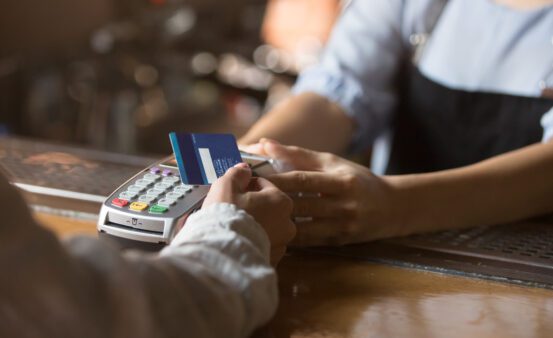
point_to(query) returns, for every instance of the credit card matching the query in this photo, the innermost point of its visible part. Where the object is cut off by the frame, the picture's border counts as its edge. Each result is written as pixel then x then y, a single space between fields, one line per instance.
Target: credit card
pixel 202 158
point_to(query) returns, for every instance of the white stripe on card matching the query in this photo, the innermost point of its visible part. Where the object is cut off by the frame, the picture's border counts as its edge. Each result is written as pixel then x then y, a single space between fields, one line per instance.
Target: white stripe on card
pixel 207 162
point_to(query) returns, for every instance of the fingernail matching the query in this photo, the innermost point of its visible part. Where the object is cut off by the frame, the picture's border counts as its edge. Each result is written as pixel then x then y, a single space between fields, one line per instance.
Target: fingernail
pixel 242 165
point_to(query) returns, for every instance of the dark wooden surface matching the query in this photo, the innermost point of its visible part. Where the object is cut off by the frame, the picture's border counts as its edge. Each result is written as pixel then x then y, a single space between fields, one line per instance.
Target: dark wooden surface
pixel 324 296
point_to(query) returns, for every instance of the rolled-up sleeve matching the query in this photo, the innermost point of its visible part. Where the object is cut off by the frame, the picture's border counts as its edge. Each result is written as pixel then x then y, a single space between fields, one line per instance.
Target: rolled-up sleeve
pixel 359 65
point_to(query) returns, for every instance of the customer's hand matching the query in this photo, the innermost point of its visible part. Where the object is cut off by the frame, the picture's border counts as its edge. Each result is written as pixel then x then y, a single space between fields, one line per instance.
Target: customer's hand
pixel 269 206
pixel 342 202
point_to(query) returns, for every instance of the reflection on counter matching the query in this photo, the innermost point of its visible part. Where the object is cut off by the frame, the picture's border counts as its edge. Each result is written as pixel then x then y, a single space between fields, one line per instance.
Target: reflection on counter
pixel 359 299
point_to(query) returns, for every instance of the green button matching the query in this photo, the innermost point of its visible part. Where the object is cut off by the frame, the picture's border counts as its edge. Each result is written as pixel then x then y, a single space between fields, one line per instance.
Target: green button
pixel 158 209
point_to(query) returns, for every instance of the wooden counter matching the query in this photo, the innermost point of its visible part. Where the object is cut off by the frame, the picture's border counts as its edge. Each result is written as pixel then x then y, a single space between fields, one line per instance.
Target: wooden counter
pixel 323 296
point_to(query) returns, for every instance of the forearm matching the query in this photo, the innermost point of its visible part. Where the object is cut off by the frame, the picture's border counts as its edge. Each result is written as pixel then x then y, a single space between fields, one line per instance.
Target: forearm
pixel 229 255
pixel 504 188
pixel 308 120
pixel 213 281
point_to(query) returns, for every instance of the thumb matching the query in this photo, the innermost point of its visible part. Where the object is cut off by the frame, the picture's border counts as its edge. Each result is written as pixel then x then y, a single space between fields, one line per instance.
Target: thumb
pixel 238 177
pixel 292 156
pixel 256 148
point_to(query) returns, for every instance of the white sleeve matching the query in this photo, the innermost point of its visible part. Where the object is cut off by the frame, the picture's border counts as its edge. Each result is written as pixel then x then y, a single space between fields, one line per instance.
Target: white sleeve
pixel 214 280
pixel 229 252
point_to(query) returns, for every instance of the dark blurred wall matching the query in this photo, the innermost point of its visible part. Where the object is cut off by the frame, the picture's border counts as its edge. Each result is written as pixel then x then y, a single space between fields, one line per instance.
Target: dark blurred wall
pixel 47 25
pixel 121 74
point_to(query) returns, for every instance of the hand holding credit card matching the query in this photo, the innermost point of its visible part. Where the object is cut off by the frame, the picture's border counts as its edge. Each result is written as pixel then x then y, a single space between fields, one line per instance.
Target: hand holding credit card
pixel 202 158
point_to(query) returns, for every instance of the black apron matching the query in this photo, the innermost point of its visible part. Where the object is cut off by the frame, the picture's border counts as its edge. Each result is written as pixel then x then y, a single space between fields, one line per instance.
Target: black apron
pixel 439 128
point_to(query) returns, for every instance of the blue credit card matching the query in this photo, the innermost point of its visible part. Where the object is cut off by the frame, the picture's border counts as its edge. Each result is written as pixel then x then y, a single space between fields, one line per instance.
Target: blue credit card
pixel 202 158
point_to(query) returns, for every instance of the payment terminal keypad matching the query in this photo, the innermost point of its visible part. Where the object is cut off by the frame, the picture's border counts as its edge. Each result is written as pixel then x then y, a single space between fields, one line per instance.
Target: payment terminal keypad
pixel 128 195
pixel 151 177
pixel 143 183
pixel 154 192
pixel 135 189
pixel 152 206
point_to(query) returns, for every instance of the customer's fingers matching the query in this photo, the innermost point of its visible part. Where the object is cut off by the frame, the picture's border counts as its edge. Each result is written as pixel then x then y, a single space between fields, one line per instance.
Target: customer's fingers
pixel 237 178
pixel 267 194
pixel 260 184
pixel 226 188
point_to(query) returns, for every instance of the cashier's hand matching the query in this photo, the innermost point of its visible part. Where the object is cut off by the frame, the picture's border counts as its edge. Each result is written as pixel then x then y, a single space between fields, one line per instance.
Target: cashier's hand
pixel 339 201
pixel 269 206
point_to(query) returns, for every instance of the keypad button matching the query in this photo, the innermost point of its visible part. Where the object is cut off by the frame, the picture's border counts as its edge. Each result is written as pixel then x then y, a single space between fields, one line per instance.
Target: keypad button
pixel 119 202
pixel 146 198
pixel 167 172
pixel 127 195
pixel 158 209
pixel 174 195
pixel 135 188
pixel 138 206
pixel 154 192
pixel 162 186
pixel 151 177
pixel 142 183
pixel 183 188
pixel 166 202
pixel 155 170
pixel 171 179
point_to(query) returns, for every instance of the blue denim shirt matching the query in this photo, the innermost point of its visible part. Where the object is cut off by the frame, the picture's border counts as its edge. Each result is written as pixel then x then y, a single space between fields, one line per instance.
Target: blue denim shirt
pixel 475 45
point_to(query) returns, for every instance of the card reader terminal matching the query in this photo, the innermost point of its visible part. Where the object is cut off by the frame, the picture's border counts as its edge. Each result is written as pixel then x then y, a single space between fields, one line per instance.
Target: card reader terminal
pixel 148 210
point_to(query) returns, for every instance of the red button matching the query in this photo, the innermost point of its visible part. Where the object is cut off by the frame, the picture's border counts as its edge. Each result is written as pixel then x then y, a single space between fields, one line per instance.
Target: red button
pixel 119 202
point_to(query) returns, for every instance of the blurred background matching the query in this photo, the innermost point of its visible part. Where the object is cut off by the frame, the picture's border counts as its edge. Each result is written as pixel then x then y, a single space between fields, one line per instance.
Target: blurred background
pixel 118 75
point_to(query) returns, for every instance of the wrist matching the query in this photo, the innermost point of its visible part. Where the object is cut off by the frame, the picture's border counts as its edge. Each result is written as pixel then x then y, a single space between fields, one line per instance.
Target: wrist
pixel 430 202
pixel 407 203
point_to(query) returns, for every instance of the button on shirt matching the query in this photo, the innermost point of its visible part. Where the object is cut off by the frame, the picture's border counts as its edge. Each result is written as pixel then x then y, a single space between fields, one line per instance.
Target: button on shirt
pixel 475 45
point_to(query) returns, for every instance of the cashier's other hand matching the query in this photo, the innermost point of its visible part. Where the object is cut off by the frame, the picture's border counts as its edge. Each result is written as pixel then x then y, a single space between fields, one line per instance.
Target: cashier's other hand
pixel 268 205
pixel 338 201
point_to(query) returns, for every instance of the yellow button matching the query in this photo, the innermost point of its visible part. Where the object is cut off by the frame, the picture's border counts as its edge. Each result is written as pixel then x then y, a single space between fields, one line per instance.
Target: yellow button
pixel 138 206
